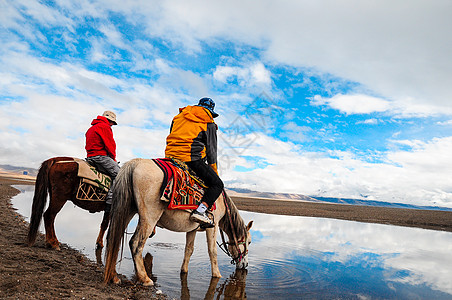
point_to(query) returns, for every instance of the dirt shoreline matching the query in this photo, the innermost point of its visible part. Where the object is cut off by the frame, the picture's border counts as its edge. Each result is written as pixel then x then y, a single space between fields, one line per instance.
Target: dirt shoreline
pixel 39 273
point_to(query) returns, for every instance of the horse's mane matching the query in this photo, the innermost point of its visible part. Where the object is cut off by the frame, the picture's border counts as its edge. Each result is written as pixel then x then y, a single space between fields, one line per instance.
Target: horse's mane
pixel 237 222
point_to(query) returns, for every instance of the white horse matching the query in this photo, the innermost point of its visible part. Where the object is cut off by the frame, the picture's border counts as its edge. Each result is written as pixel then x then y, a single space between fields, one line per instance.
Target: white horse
pixel 137 189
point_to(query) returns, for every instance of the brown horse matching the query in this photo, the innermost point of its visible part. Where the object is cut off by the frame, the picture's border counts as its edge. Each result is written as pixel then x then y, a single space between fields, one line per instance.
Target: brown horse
pixel 58 177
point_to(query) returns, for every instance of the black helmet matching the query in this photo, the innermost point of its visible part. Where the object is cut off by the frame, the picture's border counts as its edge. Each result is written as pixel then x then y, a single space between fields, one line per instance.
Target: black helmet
pixel 209 104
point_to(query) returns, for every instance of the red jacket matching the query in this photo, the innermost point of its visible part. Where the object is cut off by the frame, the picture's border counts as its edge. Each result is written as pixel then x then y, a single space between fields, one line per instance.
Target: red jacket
pixel 99 139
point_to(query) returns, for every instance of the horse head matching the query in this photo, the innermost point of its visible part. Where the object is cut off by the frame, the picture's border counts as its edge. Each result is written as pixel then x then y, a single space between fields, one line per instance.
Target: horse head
pixel 239 251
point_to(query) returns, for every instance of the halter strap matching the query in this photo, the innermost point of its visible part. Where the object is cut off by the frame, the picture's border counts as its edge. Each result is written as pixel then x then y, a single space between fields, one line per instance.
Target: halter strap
pixel 236 243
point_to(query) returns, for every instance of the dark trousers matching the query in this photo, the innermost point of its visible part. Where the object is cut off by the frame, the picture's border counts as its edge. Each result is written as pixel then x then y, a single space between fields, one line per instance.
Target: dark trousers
pixel 106 165
pixel 211 179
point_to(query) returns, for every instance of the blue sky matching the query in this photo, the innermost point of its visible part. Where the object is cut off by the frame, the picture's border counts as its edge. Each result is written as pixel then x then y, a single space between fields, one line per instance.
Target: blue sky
pixel 326 98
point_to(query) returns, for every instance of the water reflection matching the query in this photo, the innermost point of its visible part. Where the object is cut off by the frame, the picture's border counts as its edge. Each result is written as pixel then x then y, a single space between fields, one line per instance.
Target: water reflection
pixel 185 291
pixel 231 288
pixel 234 286
pixel 290 258
pixel 349 259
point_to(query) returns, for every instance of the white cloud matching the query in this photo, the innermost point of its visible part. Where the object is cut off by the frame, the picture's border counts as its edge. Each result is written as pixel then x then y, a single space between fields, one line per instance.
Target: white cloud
pixel 47 16
pixel 353 104
pixel 445 123
pixel 409 107
pixel 260 74
pixel 222 73
pixel 414 144
pixel 252 74
pixel 369 122
pixel 427 158
pixel 113 36
pixel 415 177
pixel 52 106
pixel 294 132
pixel 364 104
pixel 397 50
pixel 97 51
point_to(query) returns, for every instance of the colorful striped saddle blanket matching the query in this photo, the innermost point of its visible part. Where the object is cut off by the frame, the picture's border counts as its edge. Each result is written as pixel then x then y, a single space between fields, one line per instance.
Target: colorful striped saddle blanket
pixel 182 189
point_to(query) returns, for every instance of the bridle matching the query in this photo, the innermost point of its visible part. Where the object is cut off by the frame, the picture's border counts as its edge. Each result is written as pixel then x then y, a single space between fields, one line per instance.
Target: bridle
pixel 224 245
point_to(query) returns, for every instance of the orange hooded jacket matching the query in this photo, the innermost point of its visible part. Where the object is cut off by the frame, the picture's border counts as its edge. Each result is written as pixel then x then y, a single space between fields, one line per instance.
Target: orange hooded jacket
pixel 193 136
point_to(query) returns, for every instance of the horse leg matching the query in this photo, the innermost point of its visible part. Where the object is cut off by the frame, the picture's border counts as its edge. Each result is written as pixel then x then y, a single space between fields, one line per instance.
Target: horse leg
pixel 136 244
pixel 211 234
pixel 115 279
pixel 100 237
pixel 54 208
pixel 189 247
pixel 103 228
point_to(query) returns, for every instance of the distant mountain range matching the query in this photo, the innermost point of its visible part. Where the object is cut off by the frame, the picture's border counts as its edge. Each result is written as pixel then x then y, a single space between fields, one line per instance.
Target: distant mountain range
pixel 19 170
pixel 237 192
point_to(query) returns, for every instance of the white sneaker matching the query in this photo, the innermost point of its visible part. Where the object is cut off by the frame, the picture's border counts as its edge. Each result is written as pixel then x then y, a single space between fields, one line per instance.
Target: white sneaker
pixel 202 219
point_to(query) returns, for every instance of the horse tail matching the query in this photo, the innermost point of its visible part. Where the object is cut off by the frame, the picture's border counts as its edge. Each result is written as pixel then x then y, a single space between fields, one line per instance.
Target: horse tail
pixel 121 210
pixel 39 200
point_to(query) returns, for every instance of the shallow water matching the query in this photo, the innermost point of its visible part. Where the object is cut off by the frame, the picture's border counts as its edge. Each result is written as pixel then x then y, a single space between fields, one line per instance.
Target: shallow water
pixel 290 258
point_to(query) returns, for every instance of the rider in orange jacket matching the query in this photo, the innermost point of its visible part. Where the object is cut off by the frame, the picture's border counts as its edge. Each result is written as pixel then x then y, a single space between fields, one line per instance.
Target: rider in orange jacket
pixel 193 139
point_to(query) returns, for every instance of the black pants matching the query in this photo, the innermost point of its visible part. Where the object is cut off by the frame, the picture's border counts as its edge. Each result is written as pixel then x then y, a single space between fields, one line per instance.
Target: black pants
pixel 211 179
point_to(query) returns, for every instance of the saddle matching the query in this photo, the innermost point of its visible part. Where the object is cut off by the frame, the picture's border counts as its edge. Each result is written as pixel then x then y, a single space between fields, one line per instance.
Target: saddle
pixel 181 187
pixel 93 185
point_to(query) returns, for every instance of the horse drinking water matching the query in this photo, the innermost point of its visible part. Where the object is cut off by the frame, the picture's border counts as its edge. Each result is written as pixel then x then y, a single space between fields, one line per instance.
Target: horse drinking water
pixel 137 189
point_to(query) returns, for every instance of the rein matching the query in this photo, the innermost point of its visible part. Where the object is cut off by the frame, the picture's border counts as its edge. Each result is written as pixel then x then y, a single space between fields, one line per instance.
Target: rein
pixel 223 246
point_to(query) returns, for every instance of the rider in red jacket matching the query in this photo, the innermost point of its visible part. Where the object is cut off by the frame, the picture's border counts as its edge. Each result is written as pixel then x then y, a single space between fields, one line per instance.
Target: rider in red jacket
pixel 101 149
pixel 99 138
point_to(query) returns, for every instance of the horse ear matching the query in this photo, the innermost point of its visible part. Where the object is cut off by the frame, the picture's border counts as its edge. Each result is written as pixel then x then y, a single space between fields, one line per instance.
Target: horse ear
pixel 248 227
